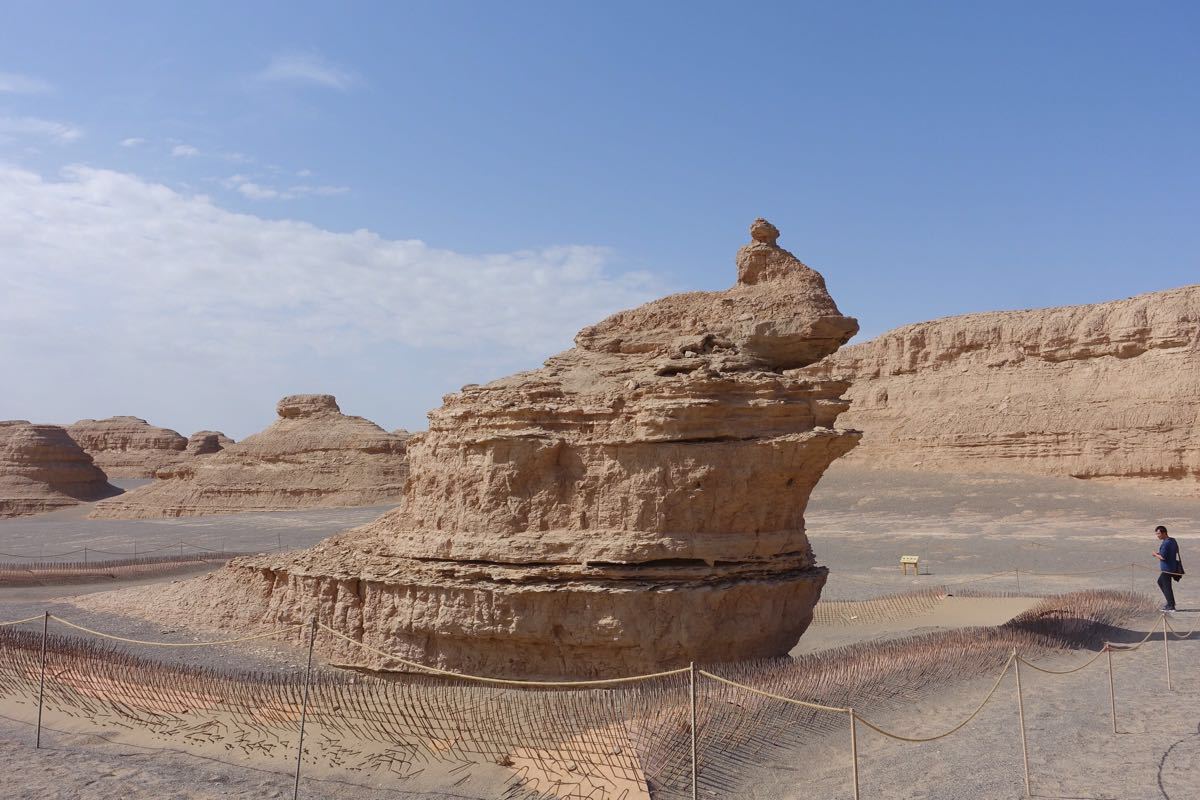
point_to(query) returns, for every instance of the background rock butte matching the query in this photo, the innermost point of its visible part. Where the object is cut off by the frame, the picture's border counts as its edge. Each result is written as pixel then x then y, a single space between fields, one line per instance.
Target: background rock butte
pixel 635 504
pixel 130 447
pixel 312 456
pixel 1093 391
pixel 42 468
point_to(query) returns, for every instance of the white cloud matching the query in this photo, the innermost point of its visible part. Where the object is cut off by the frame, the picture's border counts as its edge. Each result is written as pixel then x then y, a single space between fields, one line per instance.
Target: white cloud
pixel 257 191
pixel 12 83
pixel 184 151
pixel 105 262
pixel 307 68
pixel 133 141
pixel 58 132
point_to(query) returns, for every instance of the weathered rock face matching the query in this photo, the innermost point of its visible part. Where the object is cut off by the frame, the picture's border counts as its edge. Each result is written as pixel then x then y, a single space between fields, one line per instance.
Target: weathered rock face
pixel 42 468
pixel 1094 391
pixel 312 456
pixel 203 443
pixel 130 447
pixel 127 447
pixel 636 503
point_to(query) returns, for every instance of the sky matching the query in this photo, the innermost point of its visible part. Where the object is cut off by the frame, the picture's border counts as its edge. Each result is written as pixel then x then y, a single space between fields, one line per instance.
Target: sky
pixel 207 206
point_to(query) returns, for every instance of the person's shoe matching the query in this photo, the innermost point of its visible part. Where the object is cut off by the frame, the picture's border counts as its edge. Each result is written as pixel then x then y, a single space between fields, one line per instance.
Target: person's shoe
pixel 1168 609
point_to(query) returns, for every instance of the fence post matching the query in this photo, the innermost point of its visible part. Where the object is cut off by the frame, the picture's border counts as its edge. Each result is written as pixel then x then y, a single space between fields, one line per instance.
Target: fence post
pixel 1018 571
pixel 1021 716
pixel 181 549
pixel 692 691
pixel 1131 584
pixel 854 750
pixel 1166 651
pixel 312 640
pixel 1112 691
pixel 85 554
pixel 42 681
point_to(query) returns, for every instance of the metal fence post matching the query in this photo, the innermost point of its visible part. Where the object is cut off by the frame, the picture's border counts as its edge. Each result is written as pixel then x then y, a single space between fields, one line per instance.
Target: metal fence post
pixel 1018 572
pixel 42 681
pixel 692 691
pixel 1021 716
pixel 312 640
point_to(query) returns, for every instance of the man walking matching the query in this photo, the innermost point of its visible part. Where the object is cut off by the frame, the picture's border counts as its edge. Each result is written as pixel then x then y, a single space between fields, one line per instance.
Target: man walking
pixel 1168 562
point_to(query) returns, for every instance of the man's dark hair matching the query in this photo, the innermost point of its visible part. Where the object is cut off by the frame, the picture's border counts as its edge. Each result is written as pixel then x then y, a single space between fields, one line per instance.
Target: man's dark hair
pixel 1161 529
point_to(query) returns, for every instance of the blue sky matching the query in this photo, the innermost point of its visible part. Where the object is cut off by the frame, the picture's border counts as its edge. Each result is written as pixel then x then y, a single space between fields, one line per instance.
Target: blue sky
pixel 207 206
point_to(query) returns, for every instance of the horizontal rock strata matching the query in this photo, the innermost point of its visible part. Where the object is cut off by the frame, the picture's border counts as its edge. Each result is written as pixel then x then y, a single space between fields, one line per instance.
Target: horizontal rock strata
pixel 42 469
pixel 130 447
pixel 312 456
pixel 1093 391
pixel 635 504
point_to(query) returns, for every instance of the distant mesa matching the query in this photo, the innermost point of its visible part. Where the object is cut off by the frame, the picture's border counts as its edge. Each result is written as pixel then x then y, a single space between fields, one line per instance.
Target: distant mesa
pixel 203 443
pixel 312 456
pixel 635 504
pixel 130 447
pixel 43 469
pixel 1106 391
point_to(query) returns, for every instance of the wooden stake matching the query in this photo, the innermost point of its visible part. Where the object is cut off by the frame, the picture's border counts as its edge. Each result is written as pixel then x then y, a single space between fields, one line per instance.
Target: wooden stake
pixel 42 681
pixel 1112 691
pixel 692 688
pixel 1021 715
pixel 1166 651
pixel 1018 571
pixel 312 640
pixel 854 750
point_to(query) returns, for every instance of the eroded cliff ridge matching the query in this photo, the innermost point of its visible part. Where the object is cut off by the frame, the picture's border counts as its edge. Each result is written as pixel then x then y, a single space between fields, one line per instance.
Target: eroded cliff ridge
pixel 311 456
pixel 43 469
pixel 636 503
pixel 1110 390
pixel 130 447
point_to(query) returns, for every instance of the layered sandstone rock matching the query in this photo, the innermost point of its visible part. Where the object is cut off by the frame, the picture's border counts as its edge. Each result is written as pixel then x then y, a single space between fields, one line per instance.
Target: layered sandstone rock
pixel 312 456
pixel 42 468
pixel 635 504
pixel 1093 391
pixel 203 443
pixel 130 447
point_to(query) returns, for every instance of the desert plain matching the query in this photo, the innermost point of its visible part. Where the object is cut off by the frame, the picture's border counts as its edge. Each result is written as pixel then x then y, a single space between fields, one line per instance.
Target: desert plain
pixel 973 534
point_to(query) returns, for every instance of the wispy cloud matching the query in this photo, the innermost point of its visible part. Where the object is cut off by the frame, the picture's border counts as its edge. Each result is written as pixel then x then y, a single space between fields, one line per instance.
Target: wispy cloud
pixel 133 141
pixel 13 83
pixel 307 68
pixel 184 151
pixel 58 132
pixel 257 191
pixel 138 268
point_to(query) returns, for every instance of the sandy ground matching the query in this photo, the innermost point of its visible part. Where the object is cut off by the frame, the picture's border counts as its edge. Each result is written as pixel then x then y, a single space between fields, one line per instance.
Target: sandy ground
pixel 860 522
pixel 41 535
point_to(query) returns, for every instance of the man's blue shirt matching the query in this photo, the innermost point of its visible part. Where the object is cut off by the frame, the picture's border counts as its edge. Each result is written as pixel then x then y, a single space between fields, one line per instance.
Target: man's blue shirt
pixel 1169 550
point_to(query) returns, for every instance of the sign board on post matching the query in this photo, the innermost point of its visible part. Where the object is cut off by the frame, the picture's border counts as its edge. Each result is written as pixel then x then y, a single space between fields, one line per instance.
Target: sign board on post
pixel 913 561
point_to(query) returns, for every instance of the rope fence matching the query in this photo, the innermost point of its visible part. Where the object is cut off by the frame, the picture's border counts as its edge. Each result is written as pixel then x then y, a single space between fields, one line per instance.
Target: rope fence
pixel 670 730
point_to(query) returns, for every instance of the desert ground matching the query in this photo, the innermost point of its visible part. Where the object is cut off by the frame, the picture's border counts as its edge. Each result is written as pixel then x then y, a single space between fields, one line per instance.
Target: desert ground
pixel 984 538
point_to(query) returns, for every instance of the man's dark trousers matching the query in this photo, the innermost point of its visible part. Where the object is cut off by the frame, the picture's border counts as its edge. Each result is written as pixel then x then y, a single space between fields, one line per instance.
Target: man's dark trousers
pixel 1164 583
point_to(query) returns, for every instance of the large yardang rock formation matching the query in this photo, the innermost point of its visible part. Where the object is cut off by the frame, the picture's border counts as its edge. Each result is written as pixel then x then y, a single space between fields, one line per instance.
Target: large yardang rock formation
pixel 203 443
pixel 312 456
pixel 635 504
pixel 42 468
pixel 130 447
pixel 1094 391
